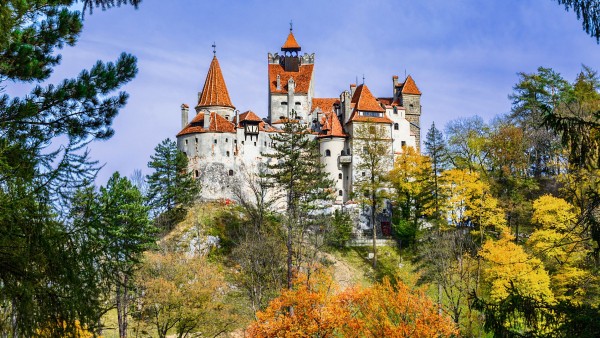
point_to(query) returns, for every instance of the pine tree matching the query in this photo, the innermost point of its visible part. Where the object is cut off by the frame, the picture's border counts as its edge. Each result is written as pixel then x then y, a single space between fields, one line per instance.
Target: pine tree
pixel 126 233
pixel 44 270
pixel 435 147
pixel 294 168
pixel 171 188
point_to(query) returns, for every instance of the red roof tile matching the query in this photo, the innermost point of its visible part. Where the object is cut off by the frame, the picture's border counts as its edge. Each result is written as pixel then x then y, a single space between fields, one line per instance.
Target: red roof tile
pixel 249 116
pixel 410 87
pixel 325 104
pixel 302 78
pixel 365 101
pixel 217 124
pixel 215 91
pixel 290 43
pixel 333 126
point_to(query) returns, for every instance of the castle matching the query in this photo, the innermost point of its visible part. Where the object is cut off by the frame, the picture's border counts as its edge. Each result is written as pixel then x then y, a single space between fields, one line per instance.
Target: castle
pixel 223 145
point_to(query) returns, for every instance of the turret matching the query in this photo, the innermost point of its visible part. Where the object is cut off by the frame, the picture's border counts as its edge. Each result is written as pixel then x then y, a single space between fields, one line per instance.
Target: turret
pixel 290 97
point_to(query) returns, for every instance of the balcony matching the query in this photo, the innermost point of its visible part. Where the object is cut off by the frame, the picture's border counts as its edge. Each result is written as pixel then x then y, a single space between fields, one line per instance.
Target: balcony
pixel 346 159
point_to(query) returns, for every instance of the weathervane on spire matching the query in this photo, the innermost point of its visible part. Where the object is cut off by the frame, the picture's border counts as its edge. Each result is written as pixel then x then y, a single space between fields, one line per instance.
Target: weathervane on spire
pixel 363 79
pixel 214 46
pixel 291 26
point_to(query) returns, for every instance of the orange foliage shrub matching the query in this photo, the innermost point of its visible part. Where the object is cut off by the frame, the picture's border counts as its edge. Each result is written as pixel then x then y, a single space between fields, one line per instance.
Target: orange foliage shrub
pixel 314 309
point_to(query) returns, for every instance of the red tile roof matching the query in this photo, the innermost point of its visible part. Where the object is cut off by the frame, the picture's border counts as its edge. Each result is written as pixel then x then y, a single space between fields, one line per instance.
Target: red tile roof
pixel 215 91
pixel 389 101
pixel 217 124
pixel 302 78
pixel 333 126
pixel 249 116
pixel 285 120
pixel 325 104
pixel 410 87
pixel 365 101
pixel 290 43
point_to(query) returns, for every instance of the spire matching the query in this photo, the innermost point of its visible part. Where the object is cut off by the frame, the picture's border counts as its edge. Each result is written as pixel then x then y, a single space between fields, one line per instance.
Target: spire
pixel 290 43
pixel 215 91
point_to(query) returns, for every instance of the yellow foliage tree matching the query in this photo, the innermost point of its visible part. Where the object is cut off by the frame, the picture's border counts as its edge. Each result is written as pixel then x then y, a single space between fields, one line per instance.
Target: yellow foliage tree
pixel 558 243
pixel 469 201
pixel 506 262
pixel 181 294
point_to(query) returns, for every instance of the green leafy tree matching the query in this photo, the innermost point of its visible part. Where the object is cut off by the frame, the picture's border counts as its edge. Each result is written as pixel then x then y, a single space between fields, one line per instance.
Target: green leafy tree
pixel 44 270
pixel 295 170
pixel 341 229
pixel 372 148
pixel 171 187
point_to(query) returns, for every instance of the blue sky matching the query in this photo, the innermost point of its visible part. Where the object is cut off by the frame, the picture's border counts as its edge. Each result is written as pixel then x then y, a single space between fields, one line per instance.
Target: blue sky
pixel 464 55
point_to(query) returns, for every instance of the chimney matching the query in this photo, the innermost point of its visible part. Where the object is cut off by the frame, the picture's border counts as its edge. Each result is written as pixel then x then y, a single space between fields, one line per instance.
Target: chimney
pixel 184 115
pixel 345 99
pixel 352 89
pixel 290 105
pixel 206 120
pixel 278 82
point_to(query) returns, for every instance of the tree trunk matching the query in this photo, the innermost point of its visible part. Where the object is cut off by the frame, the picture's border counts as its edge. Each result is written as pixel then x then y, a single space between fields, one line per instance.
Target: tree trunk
pixel 122 305
pixel 373 208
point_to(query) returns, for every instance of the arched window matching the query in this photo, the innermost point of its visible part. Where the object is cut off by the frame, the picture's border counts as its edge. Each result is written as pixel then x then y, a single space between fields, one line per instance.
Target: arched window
pixel 396 127
pixel 341 193
pixel 230 172
pixel 327 152
pixel 340 176
pixel 227 153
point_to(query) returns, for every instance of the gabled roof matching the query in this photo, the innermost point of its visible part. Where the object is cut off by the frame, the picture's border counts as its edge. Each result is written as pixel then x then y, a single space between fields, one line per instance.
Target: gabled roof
pixel 249 116
pixel 365 101
pixel 291 43
pixel 389 102
pixel 410 87
pixel 217 124
pixel 215 91
pixel 302 78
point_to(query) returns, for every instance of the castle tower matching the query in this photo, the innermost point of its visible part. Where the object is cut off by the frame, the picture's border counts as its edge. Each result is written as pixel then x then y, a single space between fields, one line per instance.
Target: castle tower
pixel 290 83
pixel 215 96
pixel 410 98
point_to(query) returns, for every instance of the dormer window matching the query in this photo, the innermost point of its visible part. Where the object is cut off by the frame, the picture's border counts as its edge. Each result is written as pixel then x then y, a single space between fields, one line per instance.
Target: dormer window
pixel 371 114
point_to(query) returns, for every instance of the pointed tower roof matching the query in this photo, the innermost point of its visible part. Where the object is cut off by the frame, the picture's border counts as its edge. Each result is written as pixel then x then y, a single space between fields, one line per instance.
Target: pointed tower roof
pixel 290 43
pixel 410 87
pixel 365 101
pixel 215 91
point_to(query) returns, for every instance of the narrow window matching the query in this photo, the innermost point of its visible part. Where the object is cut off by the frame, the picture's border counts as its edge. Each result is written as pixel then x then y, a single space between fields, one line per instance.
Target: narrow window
pixel 403 143
pixel 255 144
pixel 327 152
pixel 235 141
pixel 342 153
pixel 226 140
pixel 196 140
pixel 227 153
pixel 186 142
pixel 230 172
pixel 242 142
pixel 340 176
pixel 197 173
pixel 364 174
pixel 396 127
pixel 215 141
pixel 265 143
pixel 341 193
